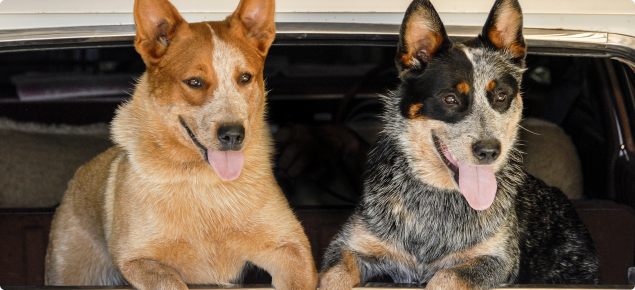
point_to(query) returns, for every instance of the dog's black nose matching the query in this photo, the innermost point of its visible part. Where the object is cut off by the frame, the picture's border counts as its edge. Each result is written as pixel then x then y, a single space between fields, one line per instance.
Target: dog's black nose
pixel 486 151
pixel 231 136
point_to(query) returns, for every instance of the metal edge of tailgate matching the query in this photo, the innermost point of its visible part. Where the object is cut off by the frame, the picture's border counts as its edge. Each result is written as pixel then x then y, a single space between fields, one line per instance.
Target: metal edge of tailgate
pixel 540 41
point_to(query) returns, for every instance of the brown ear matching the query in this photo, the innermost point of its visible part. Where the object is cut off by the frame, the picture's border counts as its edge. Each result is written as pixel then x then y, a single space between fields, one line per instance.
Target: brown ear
pixel 422 35
pixel 504 28
pixel 156 22
pixel 257 18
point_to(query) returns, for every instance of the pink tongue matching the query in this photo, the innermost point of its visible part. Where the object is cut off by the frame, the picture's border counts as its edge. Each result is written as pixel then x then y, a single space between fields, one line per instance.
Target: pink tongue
pixel 477 184
pixel 227 164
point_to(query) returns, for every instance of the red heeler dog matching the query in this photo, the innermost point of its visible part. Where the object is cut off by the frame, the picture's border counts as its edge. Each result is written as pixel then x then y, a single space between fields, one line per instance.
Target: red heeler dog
pixel 187 194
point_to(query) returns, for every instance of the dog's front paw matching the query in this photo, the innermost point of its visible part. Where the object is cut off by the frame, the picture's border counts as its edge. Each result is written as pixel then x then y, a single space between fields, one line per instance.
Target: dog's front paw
pixel 337 278
pixel 447 279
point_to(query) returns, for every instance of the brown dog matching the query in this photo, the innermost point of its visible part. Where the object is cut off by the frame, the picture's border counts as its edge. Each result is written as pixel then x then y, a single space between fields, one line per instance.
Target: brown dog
pixel 187 195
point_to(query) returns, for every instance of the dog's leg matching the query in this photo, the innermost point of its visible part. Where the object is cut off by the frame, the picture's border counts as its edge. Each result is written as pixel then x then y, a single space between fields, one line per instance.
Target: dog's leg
pixel 146 274
pixel 75 256
pixel 342 276
pixel 356 255
pixel 482 272
pixel 340 267
pixel 290 265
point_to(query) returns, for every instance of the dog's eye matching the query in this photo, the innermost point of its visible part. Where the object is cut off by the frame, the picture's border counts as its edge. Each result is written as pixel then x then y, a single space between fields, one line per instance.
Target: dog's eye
pixel 194 83
pixel 451 99
pixel 245 78
pixel 501 97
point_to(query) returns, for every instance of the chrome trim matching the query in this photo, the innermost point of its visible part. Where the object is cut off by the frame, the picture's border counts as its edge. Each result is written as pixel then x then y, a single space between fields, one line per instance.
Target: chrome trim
pixel 623 47
pixel 539 40
pixel 336 28
pixel 65 37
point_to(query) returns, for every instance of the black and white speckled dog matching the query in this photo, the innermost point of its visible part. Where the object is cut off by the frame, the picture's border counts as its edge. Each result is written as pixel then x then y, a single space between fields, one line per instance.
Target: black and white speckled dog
pixel 445 200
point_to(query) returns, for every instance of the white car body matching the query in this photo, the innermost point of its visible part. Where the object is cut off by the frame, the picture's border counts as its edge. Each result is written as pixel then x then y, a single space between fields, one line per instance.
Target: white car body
pixel 616 16
pixel 593 25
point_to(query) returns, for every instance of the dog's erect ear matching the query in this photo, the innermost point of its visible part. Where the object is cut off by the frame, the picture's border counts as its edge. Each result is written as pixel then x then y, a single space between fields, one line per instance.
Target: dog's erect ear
pixel 156 22
pixel 421 36
pixel 257 18
pixel 504 28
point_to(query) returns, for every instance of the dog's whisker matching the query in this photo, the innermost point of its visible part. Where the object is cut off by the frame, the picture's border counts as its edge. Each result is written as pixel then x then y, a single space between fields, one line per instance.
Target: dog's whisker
pixel 520 126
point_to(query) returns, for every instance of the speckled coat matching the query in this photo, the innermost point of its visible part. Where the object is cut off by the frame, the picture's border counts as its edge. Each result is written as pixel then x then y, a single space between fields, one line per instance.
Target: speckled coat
pixel 413 223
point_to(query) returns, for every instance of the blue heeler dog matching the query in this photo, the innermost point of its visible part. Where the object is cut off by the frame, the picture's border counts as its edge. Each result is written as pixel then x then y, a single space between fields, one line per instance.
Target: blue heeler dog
pixel 445 200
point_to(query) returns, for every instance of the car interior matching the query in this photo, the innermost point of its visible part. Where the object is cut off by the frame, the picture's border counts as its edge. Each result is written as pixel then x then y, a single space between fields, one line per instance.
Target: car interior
pixel 324 106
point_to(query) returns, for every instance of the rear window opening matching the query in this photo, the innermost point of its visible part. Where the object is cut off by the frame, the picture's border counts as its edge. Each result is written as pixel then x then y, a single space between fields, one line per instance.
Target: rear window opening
pixel 313 86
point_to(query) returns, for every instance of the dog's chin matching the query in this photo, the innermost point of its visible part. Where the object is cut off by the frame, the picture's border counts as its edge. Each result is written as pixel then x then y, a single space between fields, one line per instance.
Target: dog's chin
pixel 227 164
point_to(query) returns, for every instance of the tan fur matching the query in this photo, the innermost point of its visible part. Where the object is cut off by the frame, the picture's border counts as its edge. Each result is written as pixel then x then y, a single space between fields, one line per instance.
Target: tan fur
pixel 502 36
pixel 494 246
pixel 463 88
pixel 428 164
pixel 514 118
pixel 420 36
pixel 151 207
pixel 413 112
pixel 446 277
pixel 343 276
pixel 490 86
pixel 362 241
pixel 346 274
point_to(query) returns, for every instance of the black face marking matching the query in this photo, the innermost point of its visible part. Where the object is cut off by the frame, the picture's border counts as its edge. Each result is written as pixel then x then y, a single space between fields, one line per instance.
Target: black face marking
pixel 506 85
pixel 437 88
pixel 193 137
pixel 451 99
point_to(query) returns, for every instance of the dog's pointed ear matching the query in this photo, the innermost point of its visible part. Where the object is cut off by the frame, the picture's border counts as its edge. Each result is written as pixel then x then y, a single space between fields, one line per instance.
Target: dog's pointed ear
pixel 257 18
pixel 156 22
pixel 504 28
pixel 421 37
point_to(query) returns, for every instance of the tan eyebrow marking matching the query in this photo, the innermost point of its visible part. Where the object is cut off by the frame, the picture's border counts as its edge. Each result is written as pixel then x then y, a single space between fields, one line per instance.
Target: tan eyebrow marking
pixel 463 88
pixel 491 85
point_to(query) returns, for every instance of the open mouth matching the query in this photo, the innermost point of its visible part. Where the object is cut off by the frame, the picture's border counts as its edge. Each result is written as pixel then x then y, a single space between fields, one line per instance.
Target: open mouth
pixel 196 142
pixel 446 156
pixel 227 164
pixel 477 183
